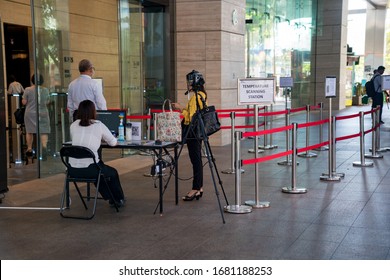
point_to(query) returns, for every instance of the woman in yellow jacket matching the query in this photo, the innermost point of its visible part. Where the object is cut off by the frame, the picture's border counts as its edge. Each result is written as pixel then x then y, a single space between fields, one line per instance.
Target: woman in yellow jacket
pixel 195 85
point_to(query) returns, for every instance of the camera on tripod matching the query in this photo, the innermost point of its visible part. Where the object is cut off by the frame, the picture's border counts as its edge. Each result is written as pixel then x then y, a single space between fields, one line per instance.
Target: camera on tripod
pixel 195 80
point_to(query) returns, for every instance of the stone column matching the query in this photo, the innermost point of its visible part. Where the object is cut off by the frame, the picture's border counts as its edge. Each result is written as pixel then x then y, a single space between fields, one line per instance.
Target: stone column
pixel 375 40
pixel 210 38
pixel 330 50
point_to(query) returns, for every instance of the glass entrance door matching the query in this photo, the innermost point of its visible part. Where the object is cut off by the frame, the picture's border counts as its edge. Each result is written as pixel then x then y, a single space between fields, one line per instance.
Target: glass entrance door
pixel 144 55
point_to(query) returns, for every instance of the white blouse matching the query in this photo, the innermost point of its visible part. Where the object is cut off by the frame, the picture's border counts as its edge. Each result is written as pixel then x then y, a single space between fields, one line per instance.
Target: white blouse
pixel 91 137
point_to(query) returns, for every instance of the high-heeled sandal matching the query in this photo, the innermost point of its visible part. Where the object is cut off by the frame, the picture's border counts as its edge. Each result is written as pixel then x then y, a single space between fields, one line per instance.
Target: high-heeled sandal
pixel 29 153
pixel 201 192
pixel 195 195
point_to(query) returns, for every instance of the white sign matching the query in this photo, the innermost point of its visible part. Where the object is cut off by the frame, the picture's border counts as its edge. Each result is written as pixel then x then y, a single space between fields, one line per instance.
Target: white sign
pixel 286 82
pixel 256 90
pixel 330 86
pixel 385 82
pixel 136 128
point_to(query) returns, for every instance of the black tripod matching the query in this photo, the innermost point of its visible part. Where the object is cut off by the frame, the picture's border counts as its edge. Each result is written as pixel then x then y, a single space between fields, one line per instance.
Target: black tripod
pixel 197 130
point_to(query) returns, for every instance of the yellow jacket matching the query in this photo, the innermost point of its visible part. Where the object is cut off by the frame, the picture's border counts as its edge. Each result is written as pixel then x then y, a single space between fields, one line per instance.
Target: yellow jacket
pixel 190 110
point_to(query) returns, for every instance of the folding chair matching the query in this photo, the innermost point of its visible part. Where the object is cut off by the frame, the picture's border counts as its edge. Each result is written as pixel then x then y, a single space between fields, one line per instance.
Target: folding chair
pixel 91 174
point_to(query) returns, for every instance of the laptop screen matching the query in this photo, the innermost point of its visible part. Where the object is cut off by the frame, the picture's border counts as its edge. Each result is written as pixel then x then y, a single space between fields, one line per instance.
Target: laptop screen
pixel 111 119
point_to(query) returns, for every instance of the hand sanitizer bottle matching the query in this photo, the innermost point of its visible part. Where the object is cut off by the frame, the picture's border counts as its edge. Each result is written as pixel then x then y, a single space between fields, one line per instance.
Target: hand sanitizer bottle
pixel 121 129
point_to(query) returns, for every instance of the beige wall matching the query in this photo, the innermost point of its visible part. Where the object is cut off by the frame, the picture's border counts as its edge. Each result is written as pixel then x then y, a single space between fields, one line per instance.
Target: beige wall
pixel 208 41
pixel 93 34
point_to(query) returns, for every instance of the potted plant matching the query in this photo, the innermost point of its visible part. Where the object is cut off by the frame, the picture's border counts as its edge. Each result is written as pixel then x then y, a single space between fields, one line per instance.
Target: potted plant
pixel 358 92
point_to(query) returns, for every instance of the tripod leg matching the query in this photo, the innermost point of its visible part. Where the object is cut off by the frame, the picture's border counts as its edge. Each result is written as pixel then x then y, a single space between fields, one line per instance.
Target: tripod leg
pixel 216 170
pixel 211 163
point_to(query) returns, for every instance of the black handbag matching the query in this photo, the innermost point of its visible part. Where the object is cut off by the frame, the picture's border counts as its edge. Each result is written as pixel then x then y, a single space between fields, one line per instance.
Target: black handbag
pixel 210 120
pixel 19 115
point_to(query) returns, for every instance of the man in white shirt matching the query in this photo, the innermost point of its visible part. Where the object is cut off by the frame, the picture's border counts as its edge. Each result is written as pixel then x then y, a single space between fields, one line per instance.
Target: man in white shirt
pixel 85 88
pixel 15 87
pixel 377 99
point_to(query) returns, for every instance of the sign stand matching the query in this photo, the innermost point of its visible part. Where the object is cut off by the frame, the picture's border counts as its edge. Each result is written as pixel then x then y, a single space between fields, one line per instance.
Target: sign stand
pixel 255 91
pixel 330 92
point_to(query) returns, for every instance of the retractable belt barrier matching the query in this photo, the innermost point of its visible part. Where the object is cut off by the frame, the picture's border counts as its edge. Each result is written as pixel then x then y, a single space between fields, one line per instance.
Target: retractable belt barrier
pixel 287 113
pixel 294 151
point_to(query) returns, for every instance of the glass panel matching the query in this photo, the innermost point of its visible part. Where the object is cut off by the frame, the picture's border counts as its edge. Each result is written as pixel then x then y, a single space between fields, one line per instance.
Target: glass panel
pixel 131 42
pixel 144 56
pixel 52 63
pixel 278 42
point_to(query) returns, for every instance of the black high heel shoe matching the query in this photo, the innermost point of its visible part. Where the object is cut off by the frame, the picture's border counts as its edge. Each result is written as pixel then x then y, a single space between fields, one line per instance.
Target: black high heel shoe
pixel 195 195
pixel 201 192
pixel 30 154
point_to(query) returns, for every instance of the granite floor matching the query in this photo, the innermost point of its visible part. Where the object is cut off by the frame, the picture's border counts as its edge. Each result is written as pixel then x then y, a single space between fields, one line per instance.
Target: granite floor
pixel 347 219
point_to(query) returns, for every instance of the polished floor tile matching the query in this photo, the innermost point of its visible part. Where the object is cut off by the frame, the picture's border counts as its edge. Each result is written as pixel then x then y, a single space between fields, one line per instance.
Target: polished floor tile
pixel 347 219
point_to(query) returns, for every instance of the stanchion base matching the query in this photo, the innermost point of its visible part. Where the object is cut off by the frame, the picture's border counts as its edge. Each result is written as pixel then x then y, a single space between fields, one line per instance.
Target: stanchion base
pixel 155 175
pixel 268 147
pixel 294 190
pixel 341 175
pixel 308 155
pixel 127 152
pixel 373 156
pixel 320 149
pixel 238 209
pixel 286 162
pixel 330 178
pixel 380 150
pixel 144 153
pixel 253 151
pixel 365 164
pixel 231 171
pixel 258 204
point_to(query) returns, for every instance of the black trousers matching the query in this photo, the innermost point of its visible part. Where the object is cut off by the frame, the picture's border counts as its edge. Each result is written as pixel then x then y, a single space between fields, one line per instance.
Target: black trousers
pixel 195 152
pixel 377 100
pixel 113 183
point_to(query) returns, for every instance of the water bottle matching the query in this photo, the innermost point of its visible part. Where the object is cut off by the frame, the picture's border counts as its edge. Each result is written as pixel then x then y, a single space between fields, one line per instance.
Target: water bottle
pixel 129 131
pixel 121 129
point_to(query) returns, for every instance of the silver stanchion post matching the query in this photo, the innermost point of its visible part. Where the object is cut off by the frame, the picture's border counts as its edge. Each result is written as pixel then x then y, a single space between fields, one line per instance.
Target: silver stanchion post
pixel 152 154
pixel 148 123
pixel 374 138
pixel 362 162
pixel 333 158
pixel 321 132
pixel 256 121
pixel 293 188
pixel 331 139
pixel 232 169
pixel 288 160
pixel 266 145
pixel 378 133
pixel 237 208
pixel 257 203
pixel 308 154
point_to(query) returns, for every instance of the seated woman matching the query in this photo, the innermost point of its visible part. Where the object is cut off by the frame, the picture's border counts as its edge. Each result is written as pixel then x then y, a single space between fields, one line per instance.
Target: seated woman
pixel 88 132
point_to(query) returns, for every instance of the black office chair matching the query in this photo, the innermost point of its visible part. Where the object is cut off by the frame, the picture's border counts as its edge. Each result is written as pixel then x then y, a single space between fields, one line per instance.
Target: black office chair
pixel 92 174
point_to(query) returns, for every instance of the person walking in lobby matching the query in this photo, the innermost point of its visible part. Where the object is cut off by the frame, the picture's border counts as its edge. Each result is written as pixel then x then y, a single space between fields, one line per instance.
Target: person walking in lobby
pixel 30 117
pixel 14 87
pixel 83 88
